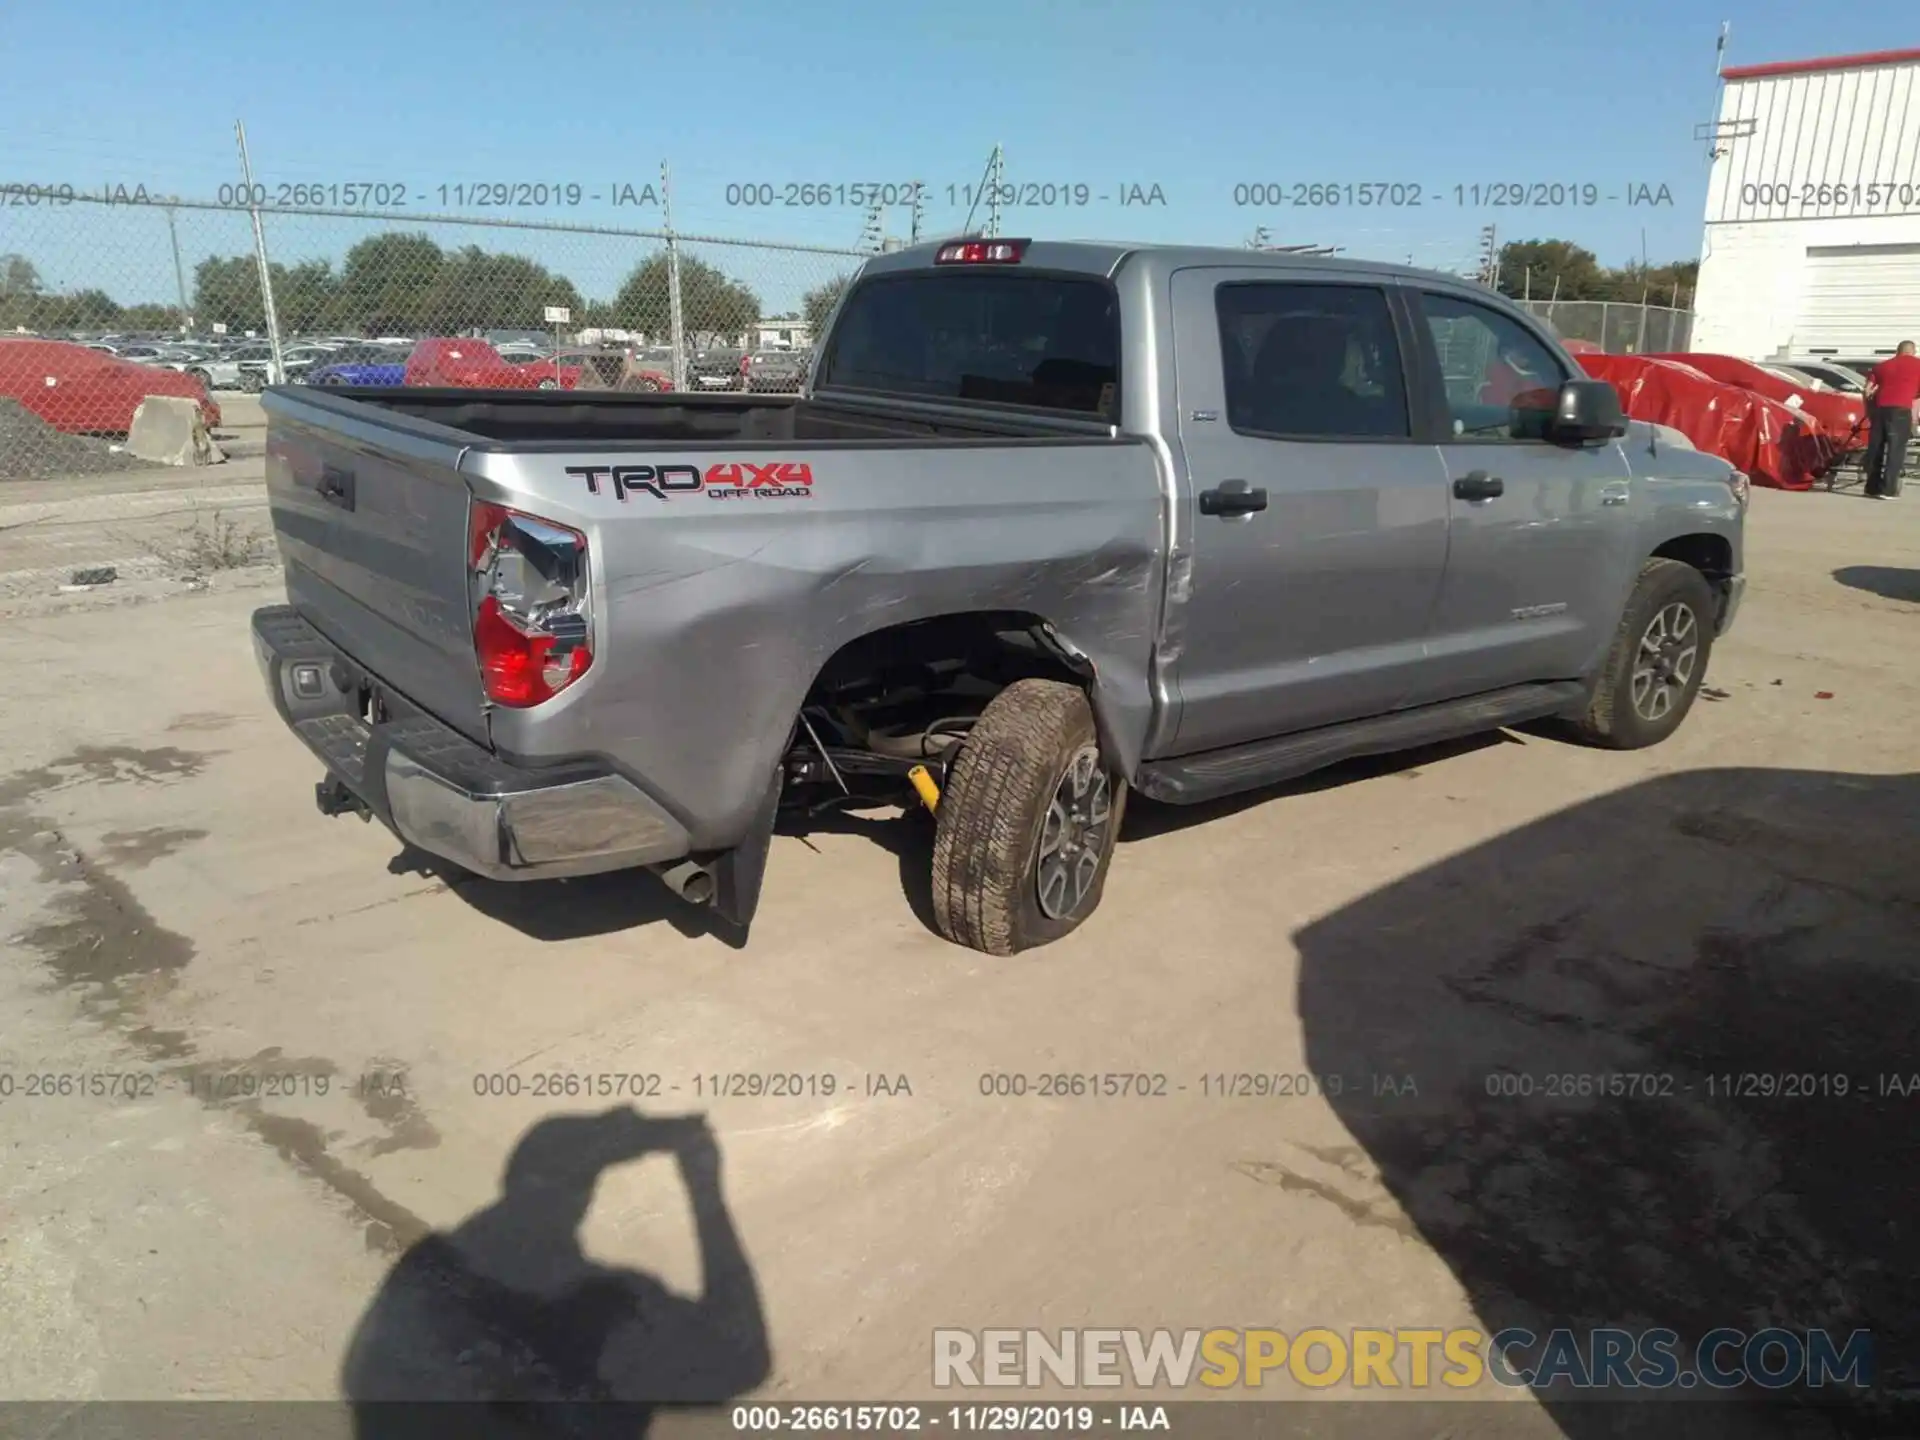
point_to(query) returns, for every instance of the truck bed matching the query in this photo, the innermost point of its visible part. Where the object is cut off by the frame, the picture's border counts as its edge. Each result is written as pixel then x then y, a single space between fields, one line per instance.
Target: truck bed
pixel 559 420
pixel 716 601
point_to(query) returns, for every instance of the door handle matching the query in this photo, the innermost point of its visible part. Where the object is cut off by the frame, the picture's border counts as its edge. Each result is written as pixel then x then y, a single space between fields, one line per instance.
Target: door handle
pixel 1232 498
pixel 336 487
pixel 1617 494
pixel 1479 485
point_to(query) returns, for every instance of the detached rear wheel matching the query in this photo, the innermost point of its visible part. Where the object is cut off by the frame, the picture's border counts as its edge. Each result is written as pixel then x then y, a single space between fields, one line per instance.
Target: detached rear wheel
pixel 1027 824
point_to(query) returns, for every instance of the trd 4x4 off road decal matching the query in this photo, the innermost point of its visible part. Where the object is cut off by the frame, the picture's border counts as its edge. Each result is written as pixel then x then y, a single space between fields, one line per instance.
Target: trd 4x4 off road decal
pixel 733 479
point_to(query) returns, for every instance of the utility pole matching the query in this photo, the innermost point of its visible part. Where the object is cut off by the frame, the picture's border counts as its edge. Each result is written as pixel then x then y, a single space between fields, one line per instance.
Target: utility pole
pixel 676 322
pixel 279 369
pixel 996 181
pixel 179 271
pixel 919 212
pixel 1489 258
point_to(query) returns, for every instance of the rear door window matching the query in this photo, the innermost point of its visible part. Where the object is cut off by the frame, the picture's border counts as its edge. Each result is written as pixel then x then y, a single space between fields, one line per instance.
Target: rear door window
pixel 1044 341
pixel 1314 362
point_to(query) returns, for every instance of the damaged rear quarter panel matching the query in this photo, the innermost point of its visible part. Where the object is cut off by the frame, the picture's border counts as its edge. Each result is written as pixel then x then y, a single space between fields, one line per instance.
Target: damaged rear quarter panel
pixel 713 615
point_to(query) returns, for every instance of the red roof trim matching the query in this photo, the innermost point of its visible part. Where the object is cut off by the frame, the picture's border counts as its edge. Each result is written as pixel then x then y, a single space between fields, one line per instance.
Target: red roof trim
pixel 1808 67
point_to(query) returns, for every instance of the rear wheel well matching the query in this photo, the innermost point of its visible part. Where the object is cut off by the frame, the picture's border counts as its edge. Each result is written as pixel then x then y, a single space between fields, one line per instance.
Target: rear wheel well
pixel 906 695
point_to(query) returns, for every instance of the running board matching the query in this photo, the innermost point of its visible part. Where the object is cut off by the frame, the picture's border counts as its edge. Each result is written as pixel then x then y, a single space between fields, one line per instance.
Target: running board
pixel 1192 779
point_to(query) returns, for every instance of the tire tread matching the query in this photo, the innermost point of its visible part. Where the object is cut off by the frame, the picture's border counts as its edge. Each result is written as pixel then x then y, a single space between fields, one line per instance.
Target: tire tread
pixel 979 847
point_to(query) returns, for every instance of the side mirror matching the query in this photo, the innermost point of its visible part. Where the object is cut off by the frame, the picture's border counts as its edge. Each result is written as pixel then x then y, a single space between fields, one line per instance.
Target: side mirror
pixel 1587 410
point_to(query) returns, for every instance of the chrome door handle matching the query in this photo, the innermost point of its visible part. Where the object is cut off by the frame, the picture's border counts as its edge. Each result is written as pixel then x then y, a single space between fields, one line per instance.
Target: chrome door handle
pixel 1616 494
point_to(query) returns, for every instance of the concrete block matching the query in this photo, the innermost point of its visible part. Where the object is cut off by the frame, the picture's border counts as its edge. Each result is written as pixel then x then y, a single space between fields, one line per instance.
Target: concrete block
pixel 169 430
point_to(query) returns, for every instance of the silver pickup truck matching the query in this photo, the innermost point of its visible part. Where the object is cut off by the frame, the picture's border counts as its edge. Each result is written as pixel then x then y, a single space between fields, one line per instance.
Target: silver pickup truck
pixel 1051 522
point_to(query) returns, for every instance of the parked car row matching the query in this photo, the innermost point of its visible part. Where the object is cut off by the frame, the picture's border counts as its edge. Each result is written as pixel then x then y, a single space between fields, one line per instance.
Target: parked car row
pixel 245 363
pixel 767 372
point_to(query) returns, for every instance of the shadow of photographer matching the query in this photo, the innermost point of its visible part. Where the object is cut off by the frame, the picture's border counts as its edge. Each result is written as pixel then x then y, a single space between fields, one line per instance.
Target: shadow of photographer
pixel 504 1327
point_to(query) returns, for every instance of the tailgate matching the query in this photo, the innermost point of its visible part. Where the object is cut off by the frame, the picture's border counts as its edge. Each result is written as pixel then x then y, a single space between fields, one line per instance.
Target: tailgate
pixel 371 516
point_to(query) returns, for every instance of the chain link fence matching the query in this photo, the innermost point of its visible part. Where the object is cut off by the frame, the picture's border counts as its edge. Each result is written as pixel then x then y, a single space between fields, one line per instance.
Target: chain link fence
pixel 1618 327
pixel 105 302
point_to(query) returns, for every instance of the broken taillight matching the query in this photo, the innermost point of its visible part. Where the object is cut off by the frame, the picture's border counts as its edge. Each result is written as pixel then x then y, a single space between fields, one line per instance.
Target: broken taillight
pixel 532 621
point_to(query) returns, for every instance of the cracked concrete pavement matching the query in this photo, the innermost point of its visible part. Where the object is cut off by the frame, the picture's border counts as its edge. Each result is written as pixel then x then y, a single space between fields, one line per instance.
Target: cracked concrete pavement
pixel 275 1054
pixel 165 531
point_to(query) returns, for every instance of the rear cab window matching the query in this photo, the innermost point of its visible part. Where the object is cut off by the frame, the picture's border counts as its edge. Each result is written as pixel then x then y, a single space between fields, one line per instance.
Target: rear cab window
pixel 1033 339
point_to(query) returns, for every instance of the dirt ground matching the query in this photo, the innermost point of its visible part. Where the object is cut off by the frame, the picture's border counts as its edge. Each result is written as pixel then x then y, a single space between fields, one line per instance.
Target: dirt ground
pixel 318 1055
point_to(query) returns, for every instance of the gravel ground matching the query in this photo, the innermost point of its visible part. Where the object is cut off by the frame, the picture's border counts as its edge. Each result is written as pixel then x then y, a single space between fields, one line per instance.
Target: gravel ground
pixel 335 1055
pixel 31 449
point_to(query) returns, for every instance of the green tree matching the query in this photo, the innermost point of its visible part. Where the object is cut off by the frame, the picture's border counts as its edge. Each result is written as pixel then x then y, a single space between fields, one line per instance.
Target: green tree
pixel 709 299
pixel 150 315
pixel 475 290
pixel 817 304
pixel 228 291
pixel 19 279
pixel 303 295
pixel 385 283
pixel 1532 267
pixel 1552 269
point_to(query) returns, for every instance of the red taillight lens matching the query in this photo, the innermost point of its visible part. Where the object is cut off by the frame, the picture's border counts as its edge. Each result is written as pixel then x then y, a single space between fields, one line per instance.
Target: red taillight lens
pixel 532 625
pixel 520 669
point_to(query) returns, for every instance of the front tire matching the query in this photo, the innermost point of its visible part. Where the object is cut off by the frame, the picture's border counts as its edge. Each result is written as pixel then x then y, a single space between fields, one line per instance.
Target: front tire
pixel 1656 663
pixel 1027 826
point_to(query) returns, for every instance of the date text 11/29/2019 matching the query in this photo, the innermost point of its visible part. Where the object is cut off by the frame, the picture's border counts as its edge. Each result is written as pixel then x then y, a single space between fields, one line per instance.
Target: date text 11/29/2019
pixel 1410 195
pixel 456 195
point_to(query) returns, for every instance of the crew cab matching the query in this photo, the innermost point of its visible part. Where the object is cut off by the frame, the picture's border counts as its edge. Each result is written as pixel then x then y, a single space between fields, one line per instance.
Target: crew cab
pixel 1050 523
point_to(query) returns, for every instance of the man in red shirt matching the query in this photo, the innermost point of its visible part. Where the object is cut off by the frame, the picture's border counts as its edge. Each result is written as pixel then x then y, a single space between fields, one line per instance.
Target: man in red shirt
pixel 1893 388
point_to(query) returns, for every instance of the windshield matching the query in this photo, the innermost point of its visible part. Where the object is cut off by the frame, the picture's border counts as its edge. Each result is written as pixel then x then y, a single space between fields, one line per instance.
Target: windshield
pixel 1047 341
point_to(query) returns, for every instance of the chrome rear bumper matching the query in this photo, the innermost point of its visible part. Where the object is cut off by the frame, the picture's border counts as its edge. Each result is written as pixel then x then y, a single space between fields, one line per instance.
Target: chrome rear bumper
pixel 443 793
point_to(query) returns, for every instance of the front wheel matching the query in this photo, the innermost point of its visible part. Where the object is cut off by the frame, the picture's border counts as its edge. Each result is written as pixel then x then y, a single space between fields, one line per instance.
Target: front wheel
pixel 1658 658
pixel 1027 826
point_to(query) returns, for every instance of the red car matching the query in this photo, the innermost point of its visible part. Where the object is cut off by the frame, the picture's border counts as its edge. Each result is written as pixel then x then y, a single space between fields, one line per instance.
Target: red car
pixel 608 370
pixel 476 365
pixel 87 392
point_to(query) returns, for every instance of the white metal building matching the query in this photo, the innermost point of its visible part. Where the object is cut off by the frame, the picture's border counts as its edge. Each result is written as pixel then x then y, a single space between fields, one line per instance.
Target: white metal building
pixel 1813 210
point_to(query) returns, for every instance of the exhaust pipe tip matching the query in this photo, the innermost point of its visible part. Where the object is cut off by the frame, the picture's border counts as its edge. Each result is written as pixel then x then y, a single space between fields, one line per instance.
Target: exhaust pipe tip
pixel 692 882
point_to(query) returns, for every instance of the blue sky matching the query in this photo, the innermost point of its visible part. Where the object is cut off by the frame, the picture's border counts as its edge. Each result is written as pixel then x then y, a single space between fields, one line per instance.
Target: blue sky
pixel 1193 98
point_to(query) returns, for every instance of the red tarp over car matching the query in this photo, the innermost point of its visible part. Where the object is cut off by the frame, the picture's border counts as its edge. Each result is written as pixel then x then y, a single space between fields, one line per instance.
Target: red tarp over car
pixel 1778 447
pixel 1842 417
pixel 84 391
